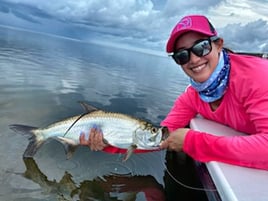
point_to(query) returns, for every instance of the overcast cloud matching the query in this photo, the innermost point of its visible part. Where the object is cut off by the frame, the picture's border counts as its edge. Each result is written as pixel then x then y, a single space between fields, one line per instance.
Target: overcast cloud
pixel 140 23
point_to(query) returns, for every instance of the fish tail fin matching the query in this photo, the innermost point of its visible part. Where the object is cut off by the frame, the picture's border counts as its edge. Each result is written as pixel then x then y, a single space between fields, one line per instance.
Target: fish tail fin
pixel 34 141
pixel 23 129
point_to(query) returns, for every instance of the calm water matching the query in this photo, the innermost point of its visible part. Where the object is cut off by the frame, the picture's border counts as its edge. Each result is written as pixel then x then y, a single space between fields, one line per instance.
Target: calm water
pixel 41 80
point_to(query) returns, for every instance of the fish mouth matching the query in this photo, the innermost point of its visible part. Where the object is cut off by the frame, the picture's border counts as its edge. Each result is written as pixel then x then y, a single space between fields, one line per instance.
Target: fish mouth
pixel 165 133
pixel 153 138
pixel 156 139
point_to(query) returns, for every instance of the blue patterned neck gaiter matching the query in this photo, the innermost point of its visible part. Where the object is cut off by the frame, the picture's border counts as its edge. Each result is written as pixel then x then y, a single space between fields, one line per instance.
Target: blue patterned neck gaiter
pixel 214 87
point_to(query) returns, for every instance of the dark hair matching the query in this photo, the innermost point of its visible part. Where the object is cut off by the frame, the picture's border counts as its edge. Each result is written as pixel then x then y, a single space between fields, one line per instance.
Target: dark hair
pixel 212 29
pixel 228 50
pixel 261 55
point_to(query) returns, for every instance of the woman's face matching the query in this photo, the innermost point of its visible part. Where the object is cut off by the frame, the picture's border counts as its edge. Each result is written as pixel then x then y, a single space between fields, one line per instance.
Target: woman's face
pixel 199 68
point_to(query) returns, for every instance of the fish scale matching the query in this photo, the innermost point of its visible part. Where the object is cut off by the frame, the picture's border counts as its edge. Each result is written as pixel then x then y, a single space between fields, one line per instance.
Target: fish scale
pixel 113 129
pixel 119 130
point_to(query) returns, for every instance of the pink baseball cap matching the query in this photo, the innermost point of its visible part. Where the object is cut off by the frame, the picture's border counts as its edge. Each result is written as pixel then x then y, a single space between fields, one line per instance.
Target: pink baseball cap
pixel 197 23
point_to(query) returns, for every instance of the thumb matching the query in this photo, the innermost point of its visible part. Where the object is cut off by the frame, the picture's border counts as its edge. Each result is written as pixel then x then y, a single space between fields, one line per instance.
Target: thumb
pixel 82 139
pixel 164 144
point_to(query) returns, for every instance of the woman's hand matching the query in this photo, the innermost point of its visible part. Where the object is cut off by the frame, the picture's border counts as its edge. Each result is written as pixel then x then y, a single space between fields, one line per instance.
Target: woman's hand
pixel 95 140
pixel 175 140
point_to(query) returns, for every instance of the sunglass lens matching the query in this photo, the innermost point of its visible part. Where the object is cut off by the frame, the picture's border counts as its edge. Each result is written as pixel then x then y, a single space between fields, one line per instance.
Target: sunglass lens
pixel 202 48
pixel 181 57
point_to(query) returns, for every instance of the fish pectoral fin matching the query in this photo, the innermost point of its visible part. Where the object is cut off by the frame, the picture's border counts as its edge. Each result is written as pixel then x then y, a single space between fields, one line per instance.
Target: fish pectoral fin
pixel 69 150
pixel 130 150
pixel 105 141
pixel 69 146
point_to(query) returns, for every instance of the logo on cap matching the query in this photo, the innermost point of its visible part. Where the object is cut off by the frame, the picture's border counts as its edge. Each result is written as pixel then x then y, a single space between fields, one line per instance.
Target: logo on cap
pixel 184 23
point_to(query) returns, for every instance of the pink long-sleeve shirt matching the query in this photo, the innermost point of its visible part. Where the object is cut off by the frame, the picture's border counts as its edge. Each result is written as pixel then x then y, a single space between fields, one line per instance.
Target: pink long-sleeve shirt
pixel 244 107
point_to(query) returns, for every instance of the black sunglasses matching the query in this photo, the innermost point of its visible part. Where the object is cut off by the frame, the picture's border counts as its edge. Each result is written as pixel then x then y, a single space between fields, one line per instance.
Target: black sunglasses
pixel 200 48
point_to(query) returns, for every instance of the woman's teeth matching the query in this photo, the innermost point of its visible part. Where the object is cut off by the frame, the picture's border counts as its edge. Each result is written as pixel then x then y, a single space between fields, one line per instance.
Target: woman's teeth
pixel 198 68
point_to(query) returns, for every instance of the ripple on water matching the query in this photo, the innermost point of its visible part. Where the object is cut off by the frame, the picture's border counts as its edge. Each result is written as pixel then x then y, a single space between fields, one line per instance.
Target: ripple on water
pixel 116 168
pixel 67 164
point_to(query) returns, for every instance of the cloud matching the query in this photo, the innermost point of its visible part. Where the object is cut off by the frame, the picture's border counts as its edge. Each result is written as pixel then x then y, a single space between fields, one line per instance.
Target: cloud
pixel 249 37
pixel 139 23
pixel 175 8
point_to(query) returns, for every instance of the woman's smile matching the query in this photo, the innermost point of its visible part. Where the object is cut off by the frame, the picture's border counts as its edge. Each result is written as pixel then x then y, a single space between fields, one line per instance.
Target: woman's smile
pixel 199 68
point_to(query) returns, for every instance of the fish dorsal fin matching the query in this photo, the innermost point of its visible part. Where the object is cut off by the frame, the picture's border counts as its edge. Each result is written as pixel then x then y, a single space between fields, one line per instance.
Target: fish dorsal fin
pixel 88 108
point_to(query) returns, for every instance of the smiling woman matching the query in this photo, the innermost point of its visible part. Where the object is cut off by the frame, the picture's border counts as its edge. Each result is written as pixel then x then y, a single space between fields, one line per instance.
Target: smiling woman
pixel 217 92
pixel 43 77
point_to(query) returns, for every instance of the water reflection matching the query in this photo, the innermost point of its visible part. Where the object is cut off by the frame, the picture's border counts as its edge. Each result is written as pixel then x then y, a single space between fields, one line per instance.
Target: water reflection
pixel 108 187
pixel 41 80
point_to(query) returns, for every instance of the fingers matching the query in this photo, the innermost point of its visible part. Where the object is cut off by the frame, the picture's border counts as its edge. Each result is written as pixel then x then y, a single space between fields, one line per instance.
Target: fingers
pixel 94 141
pixel 164 144
pixel 96 137
pixel 171 144
pixel 175 140
pixel 82 139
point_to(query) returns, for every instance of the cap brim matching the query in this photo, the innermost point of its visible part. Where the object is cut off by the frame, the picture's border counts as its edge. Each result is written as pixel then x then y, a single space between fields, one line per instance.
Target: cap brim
pixel 171 41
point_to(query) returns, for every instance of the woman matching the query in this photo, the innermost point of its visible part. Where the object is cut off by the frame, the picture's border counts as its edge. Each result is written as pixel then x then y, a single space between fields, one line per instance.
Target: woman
pixel 227 88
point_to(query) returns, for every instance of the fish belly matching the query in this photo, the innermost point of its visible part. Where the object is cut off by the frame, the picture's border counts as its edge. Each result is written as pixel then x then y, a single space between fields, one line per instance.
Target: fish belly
pixel 118 132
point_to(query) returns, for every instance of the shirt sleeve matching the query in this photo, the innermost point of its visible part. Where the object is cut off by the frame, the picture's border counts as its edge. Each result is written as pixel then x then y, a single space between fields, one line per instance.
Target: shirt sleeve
pixel 182 111
pixel 248 151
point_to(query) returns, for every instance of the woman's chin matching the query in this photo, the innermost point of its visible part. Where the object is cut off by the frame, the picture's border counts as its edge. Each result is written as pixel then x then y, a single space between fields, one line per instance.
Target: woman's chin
pixel 200 78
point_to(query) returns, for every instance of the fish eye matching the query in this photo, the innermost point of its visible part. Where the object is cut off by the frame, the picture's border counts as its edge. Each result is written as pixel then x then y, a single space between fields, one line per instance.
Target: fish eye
pixel 154 130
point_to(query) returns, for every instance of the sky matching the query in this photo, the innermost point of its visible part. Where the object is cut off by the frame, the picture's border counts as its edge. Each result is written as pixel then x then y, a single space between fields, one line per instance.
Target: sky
pixel 139 24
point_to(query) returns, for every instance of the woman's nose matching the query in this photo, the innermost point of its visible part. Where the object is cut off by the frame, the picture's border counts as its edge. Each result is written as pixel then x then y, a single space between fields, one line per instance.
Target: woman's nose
pixel 193 58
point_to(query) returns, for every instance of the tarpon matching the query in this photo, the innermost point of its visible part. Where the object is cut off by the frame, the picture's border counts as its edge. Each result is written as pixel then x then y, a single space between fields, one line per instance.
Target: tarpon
pixel 119 130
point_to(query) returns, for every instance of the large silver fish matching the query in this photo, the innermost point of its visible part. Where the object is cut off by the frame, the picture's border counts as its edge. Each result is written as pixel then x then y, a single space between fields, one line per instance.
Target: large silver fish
pixel 119 130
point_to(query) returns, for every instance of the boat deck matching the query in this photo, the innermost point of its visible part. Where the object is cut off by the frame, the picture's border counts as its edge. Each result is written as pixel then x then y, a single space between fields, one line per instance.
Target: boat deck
pixel 233 183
